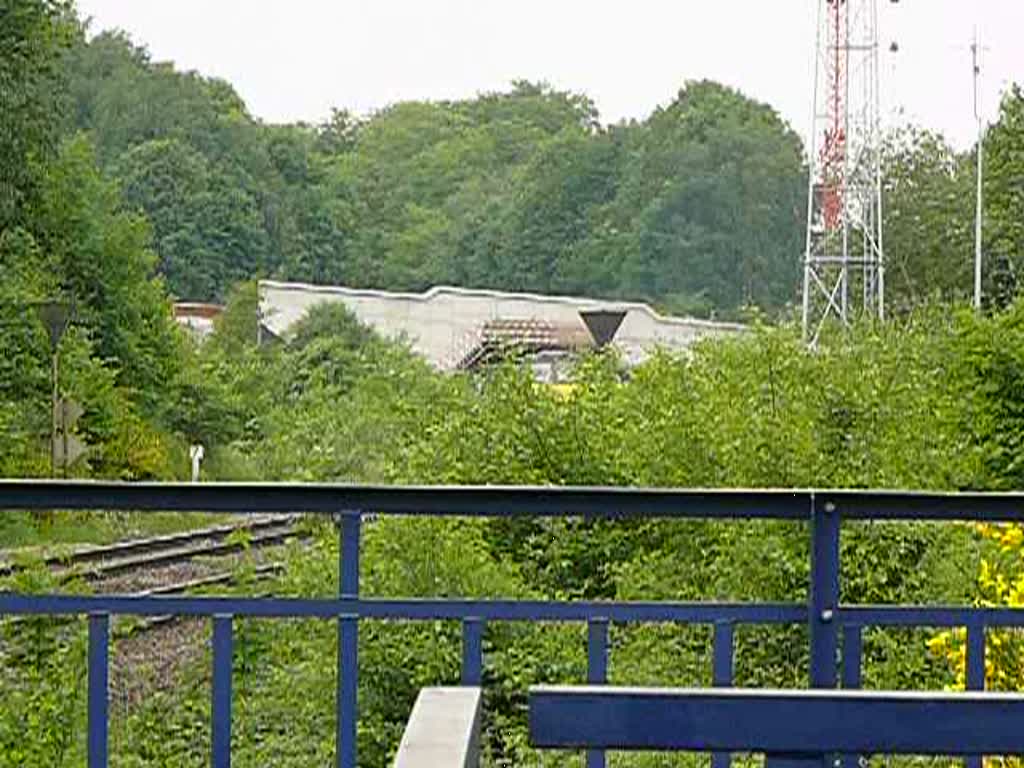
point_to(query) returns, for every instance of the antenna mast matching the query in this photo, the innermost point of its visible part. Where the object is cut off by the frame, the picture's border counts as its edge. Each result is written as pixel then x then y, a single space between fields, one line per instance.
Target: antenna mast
pixel 844 270
pixel 978 211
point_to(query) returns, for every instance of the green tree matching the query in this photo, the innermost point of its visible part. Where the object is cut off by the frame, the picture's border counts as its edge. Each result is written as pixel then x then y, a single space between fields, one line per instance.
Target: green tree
pixel 207 230
pixel 698 208
pixel 33 37
pixel 189 155
pixel 122 350
pixel 929 219
pixel 125 99
pixel 573 172
pixel 1004 199
pixel 100 251
pixel 711 201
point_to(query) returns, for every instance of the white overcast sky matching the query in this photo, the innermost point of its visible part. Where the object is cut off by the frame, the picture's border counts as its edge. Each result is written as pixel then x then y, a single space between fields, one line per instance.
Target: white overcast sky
pixel 296 59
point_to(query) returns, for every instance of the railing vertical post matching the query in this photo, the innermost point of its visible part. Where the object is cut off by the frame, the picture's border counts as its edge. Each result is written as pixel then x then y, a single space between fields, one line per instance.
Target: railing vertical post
pixel 348 642
pixel 99 635
pixel 472 651
pixel 852 652
pixel 348 563
pixel 722 665
pixel 975 671
pixel 597 672
pixel 223 659
pixel 976 657
pixel 824 592
pixel 721 674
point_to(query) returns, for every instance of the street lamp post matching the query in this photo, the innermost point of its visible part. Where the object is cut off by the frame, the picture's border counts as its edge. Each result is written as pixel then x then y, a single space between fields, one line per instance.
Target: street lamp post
pixel 54 315
pixel 975 49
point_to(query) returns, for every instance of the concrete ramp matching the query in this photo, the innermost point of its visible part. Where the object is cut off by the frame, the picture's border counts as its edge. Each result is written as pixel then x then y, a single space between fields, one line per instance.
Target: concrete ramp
pixel 443 730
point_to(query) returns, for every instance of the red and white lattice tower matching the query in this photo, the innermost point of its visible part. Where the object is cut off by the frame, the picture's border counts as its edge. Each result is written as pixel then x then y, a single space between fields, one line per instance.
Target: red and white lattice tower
pixel 844 269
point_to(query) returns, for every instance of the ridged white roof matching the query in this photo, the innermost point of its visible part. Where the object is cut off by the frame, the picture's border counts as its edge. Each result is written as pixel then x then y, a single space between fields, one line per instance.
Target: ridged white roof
pixel 436 291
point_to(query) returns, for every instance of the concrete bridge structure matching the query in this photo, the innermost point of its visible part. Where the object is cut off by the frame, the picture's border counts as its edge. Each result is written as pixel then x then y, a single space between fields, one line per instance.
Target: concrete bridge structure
pixel 444 324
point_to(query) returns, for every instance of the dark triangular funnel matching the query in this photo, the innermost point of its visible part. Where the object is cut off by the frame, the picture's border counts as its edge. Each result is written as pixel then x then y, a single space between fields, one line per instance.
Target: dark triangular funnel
pixel 603 324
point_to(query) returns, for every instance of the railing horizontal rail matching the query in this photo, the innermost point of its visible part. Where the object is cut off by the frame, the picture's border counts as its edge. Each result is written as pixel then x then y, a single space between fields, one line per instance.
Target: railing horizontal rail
pixel 921 505
pixel 508 610
pixel 928 616
pixel 491 610
pixel 508 500
pixel 403 500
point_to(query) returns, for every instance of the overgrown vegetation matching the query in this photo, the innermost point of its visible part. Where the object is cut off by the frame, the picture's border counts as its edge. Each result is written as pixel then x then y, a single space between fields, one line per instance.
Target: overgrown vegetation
pixel 903 404
pixel 699 208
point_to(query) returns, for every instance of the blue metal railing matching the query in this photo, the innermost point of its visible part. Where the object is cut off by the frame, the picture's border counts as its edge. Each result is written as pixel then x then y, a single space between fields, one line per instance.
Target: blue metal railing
pixel 793 729
pixel 830 623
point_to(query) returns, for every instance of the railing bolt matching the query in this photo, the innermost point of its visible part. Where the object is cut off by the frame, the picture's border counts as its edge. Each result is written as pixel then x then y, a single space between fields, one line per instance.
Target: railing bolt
pixel 826 615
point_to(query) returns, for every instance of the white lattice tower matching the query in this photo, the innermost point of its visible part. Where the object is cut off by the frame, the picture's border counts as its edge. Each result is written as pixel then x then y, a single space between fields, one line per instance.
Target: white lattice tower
pixel 844 268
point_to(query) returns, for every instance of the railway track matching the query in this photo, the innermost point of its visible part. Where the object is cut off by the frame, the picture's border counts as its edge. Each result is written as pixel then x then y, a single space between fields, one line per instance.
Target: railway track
pixel 94 564
pixel 170 561
pixel 151 651
pixel 259 573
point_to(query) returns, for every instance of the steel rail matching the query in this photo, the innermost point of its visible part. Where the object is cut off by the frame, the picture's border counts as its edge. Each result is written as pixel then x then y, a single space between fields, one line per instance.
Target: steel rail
pixel 177 588
pixel 103 569
pixel 151 544
pixel 225 577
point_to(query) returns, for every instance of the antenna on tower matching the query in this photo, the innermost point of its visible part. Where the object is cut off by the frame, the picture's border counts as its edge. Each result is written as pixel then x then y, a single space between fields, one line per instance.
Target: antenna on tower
pixel 844 267
pixel 978 211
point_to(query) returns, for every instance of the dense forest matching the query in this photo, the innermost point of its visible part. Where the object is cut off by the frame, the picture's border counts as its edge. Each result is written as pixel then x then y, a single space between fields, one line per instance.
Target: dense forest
pixel 521 190
pixel 124 183
pixel 698 208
